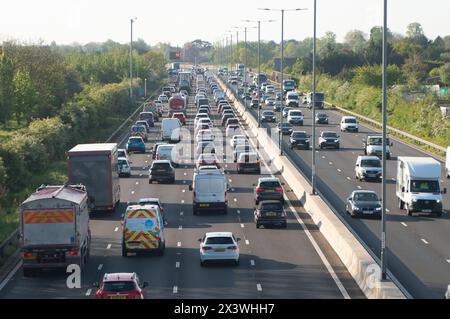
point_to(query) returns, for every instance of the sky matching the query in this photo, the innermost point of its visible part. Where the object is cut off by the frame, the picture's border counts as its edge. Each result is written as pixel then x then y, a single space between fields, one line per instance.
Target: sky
pixel 180 21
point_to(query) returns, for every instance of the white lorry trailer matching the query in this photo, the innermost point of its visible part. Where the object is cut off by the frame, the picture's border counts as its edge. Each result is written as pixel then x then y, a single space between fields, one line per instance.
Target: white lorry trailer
pixel 418 185
pixel 54 228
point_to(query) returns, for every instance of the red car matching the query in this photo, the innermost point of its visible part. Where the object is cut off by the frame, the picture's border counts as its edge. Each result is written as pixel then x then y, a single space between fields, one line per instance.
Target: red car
pixel 180 116
pixel 120 286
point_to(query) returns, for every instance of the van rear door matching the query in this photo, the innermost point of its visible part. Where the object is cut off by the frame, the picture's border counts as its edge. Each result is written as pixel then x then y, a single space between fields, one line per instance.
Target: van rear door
pixel 210 189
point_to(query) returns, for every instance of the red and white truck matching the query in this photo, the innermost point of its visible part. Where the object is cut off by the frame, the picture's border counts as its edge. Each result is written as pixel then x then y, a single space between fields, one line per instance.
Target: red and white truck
pixel 177 104
pixel 54 228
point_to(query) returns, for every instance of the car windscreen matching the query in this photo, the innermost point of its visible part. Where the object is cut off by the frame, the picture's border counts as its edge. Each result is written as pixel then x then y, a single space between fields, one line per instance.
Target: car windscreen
pixel 293 97
pixel 350 120
pixel 117 286
pixel 377 141
pixel 424 186
pixel 138 129
pixel 271 207
pixel 268 113
pixel 219 241
pixel 135 140
pixel 122 162
pixel 121 154
pixel 299 135
pixel 164 166
pixel 321 115
pixel 285 125
pixel 269 184
pixel 371 163
pixel 295 113
pixel 329 134
pixel 365 197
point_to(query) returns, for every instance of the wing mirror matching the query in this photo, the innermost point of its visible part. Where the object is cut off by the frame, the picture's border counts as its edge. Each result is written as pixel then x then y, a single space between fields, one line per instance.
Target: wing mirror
pixel 444 191
pixel 403 189
pixel 238 239
pixel 190 188
pixel 199 240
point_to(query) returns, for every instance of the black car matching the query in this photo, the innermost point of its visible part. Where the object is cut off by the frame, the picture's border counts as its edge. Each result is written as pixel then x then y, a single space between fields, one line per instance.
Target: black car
pixel 363 203
pixel 268 116
pixel 285 128
pixel 270 212
pixel 254 103
pixel 161 171
pixel 329 139
pixel 321 118
pixel 268 188
pixel 299 139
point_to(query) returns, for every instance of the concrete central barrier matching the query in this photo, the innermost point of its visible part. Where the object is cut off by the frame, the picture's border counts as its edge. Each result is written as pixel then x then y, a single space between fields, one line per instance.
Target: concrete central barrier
pixel 360 264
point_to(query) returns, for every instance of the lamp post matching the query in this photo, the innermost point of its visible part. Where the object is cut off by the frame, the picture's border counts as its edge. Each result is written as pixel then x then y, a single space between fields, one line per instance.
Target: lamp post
pixel 313 166
pixel 281 66
pixel 131 59
pixel 259 65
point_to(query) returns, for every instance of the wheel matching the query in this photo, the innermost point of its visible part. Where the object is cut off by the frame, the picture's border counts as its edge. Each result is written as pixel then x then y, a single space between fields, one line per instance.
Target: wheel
pixel 447 173
pixel 356 177
pixel 388 156
pixel 337 146
pixel 256 201
pixel 320 146
pixel 257 226
pixel 438 214
pixel 27 272
pixel 236 263
pixel 400 204
pixel 357 130
pixel 124 251
pixel 307 146
pixel 150 181
pixel 291 147
pixel 408 210
pixel 202 263
pixel 284 225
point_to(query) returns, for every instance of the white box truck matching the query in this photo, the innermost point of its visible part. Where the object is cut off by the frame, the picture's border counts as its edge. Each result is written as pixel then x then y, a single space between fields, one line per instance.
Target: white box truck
pixel 418 186
pixel 54 228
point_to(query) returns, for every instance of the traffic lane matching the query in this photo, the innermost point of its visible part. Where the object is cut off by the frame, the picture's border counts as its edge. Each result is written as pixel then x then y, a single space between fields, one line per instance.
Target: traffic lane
pixel 282 269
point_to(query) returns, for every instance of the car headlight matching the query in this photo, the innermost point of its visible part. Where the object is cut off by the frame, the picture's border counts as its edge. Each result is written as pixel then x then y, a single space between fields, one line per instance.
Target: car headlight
pixel 307 141
pixel 378 208
pixel 438 201
pixel 336 141
pixel 414 200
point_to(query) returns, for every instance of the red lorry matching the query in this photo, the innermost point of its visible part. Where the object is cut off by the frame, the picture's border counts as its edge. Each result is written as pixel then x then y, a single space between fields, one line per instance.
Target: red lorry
pixel 177 104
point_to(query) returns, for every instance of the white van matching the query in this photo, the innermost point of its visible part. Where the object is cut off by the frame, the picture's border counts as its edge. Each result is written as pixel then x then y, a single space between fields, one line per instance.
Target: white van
pixel 447 163
pixel 170 130
pixel 210 192
pixel 168 152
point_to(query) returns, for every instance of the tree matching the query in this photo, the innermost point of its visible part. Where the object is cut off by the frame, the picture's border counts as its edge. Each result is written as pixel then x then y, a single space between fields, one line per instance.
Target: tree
pixel 444 73
pixel 25 96
pixel 6 87
pixel 414 69
pixel 356 39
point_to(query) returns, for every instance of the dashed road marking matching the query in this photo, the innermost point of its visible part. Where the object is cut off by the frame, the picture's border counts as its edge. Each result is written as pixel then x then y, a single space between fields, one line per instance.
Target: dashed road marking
pixel 175 289
pixel 323 157
pixel 258 287
pixel 181 213
pixel 247 242
pixel 88 292
pixel 184 182
pixel 242 225
pixel 185 174
pixel 230 180
pixel 235 199
pixel 387 210
pixel 140 175
pixel 404 224
pixel 137 183
pixel 182 201
pixel 179 244
pixel 339 170
pixel 331 163
pixel 132 193
pixel 448 260
pixel 393 179
pixel 424 241
pixel 183 191
pixel 100 267
pixel 116 229
pixel 252 262
pixel 109 246
pixel 349 178
pixel 177 264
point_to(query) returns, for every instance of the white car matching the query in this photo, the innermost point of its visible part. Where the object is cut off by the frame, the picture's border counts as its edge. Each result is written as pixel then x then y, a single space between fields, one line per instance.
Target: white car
pixel 121 152
pixel 207 159
pixel 238 139
pixel 368 168
pixel 204 135
pixel 233 129
pixel 163 98
pixel 219 246
pixel 200 116
pixel 123 167
pixel 447 293
pixel 349 123
pixel 295 117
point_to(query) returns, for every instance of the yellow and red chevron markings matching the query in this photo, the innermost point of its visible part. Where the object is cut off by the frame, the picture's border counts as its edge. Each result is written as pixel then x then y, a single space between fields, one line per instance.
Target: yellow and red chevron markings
pixel 142 213
pixel 46 217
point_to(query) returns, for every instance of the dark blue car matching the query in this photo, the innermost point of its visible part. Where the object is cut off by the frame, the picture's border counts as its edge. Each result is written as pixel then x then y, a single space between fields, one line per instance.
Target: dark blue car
pixel 135 144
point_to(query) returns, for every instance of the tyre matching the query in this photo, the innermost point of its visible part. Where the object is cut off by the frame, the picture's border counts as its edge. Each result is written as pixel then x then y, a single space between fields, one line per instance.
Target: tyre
pixel 438 214
pixel 27 272
pixel 337 146
pixel 408 210
pixel 202 263
pixel 150 181
pixel 257 226
pixel 124 251
pixel 447 173
pixel 256 202
pixel 321 146
pixel 388 156
pixel 400 204
pixel 284 225
pixel 236 263
pixel 291 147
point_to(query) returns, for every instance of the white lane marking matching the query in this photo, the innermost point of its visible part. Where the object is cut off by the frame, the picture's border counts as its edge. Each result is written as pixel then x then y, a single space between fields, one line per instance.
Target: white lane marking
pixel 242 225
pixel 185 174
pixel 132 193
pixel 137 183
pixel 448 260
pixel 235 199
pixel 353 152
pixel 116 229
pixel 252 262
pixel 179 244
pixel 180 227
pixel 148 156
pixel 226 165
pixel 181 213
pixel 185 167
pixel 232 189
pixel 10 275
pixel 100 267
pixel 143 168
pixel 230 180
pixel 247 242
pixel 177 264
pixel 331 163
pixel 258 287
pixel 317 151
pixel 182 201
pixel 339 170
pixel 238 211
pixel 349 178
pixel 323 157
pixel 359 187
pixel 387 210
pixel 109 246
pixel 175 289
pixel 404 224
pixel 183 191
pixel 88 292
pixel 424 241
pixel 319 252
pixel 146 161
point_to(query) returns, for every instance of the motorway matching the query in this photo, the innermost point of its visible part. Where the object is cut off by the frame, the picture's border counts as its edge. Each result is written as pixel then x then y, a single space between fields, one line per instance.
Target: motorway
pixel 296 262
pixel 418 246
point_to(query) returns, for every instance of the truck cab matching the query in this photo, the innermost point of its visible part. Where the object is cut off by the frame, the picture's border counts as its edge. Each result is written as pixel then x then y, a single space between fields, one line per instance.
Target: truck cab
pixel 418 186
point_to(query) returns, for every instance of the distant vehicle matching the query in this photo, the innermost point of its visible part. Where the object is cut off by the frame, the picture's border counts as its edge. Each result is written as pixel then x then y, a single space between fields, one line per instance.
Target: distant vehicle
pixel 418 186
pixel 170 130
pixel 270 212
pixel 270 89
pixel 268 188
pixel 95 166
pixel 299 139
pixel 447 163
pixel 295 117
pixel 123 153
pixel 363 203
pixel 255 103
pixel 168 152
pixel 161 171
pixel 277 106
pixel 373 146
pixel 321 118
pixel 285 128
pixel 219 246
pixel 288 85
pixel 209 192
pixel 248 162
pixel 238 139
pixel 269 101
pixel 135 144
pixel 180 116
pixel 241 148
pixel 204 135
pixel 368 168
pixel 167 91
pixel 349 123
pixel 319 100
pixel 124 167
pixel 143 230
pixel 328 139
pixel 139 131
pixel 207 159
pixel 177 104
pixel 54 228
pixel 120 286
pixel 292 99
pixel 286 110
pixel 268 116
pixel 163 98
pixel 240 67
pixel 205 147
pixel 260 78
pixel 233 129
pixel 143 122
pixel 176 65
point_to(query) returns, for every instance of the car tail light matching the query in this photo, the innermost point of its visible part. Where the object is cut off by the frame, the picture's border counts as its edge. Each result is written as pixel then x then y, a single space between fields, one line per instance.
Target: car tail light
pixel 28 255
pixel 232 247
pixel 73 253
pixel 206 248
pixel 156 157
pixel 259 189
pixel 279 189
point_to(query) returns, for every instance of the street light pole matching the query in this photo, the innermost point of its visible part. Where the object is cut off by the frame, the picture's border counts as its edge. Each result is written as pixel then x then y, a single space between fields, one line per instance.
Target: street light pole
pixel 131 58
pixel 383 173
pixel 145 87
pixel 282 86
pixel 313 141
pixel 245 69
